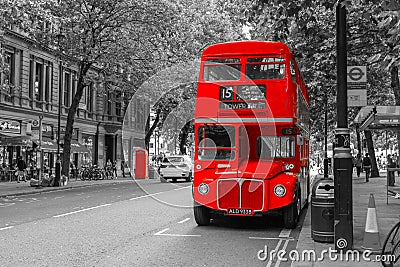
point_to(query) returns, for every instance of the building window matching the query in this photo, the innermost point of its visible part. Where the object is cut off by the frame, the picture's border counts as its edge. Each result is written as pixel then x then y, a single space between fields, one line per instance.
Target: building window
pixel 89 97
pixel 67 88
pixel 48 84
pixel 40 81
pixel 8 74
pixel 118 105
pixel 38 84
pixel 109 103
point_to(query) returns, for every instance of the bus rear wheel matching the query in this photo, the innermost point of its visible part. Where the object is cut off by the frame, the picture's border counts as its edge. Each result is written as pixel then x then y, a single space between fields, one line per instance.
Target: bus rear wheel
pixel 291 213
pixel 201 214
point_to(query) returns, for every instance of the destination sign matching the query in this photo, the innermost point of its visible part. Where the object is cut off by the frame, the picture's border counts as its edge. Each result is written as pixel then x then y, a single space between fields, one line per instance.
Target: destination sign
pixel 251 92
pixel 241 105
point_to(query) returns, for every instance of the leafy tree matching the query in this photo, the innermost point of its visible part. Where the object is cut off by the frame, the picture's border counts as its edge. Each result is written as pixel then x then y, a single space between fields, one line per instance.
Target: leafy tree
pixel 101 33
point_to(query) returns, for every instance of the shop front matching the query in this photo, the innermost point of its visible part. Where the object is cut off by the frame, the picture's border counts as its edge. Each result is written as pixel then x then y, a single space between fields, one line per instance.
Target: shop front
pixel 80 154
pixel 87 141
pixel 12 146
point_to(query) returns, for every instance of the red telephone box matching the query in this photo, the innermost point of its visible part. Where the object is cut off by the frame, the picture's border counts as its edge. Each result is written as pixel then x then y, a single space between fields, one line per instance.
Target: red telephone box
pixel 141 164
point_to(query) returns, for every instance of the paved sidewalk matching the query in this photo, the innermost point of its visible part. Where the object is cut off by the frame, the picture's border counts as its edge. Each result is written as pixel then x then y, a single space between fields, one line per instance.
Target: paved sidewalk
pixel 23 188
pixel 387 216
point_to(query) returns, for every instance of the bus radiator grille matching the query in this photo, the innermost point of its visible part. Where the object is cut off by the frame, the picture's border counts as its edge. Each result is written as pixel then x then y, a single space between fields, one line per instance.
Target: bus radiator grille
pixel 228 194
pixel 238 193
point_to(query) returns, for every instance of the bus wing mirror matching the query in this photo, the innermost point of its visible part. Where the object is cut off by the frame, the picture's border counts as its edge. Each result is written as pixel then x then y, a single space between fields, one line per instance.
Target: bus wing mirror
pixel 300 140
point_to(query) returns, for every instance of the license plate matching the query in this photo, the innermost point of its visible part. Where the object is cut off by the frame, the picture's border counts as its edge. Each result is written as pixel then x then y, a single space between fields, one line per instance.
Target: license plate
pixel 240 211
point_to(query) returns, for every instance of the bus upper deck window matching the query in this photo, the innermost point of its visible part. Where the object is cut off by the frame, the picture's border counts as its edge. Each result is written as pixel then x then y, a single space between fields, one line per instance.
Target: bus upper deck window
pixel 226 69
pixel 265 68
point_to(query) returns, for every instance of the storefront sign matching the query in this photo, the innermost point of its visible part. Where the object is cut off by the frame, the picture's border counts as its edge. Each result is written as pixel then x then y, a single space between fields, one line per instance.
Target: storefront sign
pixel 10 126
pixel 62 132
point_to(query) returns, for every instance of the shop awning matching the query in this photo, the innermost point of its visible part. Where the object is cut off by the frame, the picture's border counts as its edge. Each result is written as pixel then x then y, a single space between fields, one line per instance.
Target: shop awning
pixel 378 117
pixel 22 140
pixel 77 147
pixel 47 144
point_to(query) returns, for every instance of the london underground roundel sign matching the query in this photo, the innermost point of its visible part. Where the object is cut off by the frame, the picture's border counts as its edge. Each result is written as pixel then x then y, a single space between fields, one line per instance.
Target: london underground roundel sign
pixel 357 74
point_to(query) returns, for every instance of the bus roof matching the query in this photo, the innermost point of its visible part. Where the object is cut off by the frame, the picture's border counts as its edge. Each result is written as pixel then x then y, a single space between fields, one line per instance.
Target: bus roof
pixel 241 48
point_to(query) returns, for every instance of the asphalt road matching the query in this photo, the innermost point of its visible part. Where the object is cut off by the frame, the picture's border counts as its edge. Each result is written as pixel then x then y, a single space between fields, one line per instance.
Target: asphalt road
pixel 129 224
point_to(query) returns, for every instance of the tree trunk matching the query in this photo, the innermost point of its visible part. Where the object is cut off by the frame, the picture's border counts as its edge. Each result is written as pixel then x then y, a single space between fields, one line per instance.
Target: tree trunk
pixel 371 152
pixel 394 76
pixel 183 137
pixel 359 148
pixel 84 67
pixel 151 129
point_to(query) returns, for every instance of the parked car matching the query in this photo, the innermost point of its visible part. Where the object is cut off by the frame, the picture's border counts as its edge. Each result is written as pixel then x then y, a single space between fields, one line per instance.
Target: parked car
pixel 176 167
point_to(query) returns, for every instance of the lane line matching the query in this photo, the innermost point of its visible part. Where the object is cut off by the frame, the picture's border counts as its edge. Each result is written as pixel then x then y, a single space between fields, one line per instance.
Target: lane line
pixel 134 198
pixel 271 238
pixel 276 249
pixel 5 228
pixel 178 235
pixel 285 232
pixel 184 220
pixel 77 211
pixel 180 188
pixel 284 249
pixel 162 231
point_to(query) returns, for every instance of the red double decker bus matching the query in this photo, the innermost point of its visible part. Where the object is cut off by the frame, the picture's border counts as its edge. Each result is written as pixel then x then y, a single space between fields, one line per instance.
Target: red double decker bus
pixel 252 124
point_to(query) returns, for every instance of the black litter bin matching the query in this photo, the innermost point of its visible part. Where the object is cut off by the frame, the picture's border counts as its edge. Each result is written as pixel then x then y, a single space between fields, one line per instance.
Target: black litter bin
pixel 322 211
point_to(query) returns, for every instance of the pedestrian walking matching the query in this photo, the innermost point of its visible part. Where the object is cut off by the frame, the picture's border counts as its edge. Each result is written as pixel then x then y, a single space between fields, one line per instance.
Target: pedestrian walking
pixel 21 166
pixel 114 169
pixel 391 164
pixel 108 167
pixel 366 162
pixel 358 164
pixel 123 168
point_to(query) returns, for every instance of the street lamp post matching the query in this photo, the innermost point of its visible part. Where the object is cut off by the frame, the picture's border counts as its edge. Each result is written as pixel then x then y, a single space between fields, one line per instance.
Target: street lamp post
pixel 343 215
pixel 58 162
pixel 175 133
pixel 40 152
pixel 326 162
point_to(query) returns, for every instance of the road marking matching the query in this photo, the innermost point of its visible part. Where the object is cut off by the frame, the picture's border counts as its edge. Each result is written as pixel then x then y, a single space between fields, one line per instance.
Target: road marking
pixel 182 187
pixel 134 198
pixel 5 228
pixel 3 205
pixel 162 232
pixel 185 220
pixel 271 238
pixel 77 211
pixel 276 249
pixel 285 233
pixel 278 262
pixel 58 197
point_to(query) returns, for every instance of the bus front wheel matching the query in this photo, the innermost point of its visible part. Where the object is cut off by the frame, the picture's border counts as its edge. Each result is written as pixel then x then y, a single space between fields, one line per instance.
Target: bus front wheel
pixel 291 213
pixel 201 214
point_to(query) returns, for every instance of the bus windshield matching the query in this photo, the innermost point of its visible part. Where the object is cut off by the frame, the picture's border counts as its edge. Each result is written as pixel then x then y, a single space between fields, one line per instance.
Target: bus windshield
pixel 275 147
pixel 227 69
pixel 265 68
pixel 216 142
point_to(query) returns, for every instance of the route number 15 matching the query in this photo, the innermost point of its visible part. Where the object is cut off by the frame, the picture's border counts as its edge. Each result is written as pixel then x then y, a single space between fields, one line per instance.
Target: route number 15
pixel 226 93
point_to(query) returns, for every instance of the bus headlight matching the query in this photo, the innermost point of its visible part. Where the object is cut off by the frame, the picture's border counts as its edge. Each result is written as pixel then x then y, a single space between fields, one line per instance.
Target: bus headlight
pixel 203 188
pixel 279 190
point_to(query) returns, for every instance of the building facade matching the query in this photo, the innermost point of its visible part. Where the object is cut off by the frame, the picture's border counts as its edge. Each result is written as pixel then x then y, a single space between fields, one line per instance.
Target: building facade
pixel 38 86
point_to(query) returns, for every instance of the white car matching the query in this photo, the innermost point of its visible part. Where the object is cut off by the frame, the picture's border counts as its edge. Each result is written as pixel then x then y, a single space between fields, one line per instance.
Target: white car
pixel 176 167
